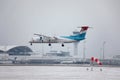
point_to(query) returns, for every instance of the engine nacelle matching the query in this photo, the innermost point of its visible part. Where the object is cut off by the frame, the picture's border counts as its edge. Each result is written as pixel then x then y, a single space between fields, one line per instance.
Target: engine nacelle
pixel 36 39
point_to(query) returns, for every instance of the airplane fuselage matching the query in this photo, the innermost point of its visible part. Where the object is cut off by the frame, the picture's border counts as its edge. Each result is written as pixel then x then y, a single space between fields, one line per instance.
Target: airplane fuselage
pixel 76 37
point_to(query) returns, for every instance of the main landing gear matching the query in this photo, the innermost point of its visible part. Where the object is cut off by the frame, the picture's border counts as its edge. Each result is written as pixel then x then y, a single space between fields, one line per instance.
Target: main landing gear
pixel 61 45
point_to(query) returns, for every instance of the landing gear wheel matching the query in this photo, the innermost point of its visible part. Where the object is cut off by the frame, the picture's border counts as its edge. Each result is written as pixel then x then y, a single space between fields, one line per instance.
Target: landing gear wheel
pixel 62 45
pixel 49 44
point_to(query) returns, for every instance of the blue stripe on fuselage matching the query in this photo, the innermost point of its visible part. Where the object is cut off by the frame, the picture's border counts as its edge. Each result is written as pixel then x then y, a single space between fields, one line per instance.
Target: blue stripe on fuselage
pixel 77 37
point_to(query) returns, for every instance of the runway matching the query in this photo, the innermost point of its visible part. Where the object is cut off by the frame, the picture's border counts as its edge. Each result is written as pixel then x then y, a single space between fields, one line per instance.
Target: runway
pixel 58 73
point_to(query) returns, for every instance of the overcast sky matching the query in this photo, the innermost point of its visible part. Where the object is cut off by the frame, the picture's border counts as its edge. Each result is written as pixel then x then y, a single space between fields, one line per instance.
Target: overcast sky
pixel 20 19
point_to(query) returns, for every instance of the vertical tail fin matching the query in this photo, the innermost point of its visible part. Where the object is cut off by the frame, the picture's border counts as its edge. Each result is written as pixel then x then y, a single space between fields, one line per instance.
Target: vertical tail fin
pixel 83 29
pixel 83 32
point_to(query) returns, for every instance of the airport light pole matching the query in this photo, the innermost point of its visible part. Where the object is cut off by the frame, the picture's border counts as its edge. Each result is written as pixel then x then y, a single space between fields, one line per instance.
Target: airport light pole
pixel 104 50
pixel 100 53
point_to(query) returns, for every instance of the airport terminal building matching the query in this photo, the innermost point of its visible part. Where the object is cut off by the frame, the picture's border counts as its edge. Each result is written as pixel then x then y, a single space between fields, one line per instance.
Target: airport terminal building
pixel 23 55
pixel 15 50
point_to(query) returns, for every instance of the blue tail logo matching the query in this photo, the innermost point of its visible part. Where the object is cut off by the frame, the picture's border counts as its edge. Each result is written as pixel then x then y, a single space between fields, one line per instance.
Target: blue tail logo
pixel 78 35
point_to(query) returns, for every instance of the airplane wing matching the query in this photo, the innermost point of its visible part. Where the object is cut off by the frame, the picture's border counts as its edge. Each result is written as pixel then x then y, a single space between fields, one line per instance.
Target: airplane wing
pixel 45 39
pixel 42 35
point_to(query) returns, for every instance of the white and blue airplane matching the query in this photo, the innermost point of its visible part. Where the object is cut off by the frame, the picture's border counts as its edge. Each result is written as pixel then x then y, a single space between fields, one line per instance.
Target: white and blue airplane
pixel 76 37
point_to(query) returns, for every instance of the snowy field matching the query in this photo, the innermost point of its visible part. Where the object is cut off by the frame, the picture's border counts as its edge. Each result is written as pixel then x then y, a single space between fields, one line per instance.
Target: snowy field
pixel 58 73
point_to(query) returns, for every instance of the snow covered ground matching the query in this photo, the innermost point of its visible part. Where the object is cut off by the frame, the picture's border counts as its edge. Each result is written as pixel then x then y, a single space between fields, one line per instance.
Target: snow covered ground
pixel 58 73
